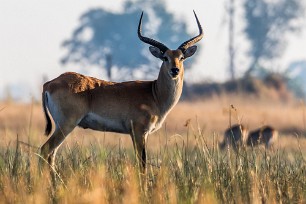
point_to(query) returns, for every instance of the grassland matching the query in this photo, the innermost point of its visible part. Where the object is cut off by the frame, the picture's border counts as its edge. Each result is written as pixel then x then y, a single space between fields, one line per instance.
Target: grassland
pixel 185 164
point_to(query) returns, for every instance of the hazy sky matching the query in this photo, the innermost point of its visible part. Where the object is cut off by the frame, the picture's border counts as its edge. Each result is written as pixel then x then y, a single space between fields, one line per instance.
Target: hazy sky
pixel 32 32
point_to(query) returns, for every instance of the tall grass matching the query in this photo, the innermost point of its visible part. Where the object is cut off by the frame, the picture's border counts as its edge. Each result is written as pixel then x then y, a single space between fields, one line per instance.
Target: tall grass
pixel 185 164
pixel 180 173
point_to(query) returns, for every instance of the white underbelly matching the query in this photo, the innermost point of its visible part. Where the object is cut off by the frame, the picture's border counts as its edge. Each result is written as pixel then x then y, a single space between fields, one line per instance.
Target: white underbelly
pixel 101 123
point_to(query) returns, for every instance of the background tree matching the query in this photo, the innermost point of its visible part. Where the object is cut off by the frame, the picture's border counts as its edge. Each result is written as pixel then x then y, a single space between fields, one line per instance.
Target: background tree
pixel 267 23
pixel 296 73
pixel 231 45
pixel 107 40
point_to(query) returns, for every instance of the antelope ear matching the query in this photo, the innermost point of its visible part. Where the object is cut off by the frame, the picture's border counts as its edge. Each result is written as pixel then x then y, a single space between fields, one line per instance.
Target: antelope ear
pixel 156 52
pixel 190 51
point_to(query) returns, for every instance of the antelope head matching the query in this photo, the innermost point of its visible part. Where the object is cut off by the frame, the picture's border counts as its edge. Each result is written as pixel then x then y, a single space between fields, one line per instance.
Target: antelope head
pixel 172 59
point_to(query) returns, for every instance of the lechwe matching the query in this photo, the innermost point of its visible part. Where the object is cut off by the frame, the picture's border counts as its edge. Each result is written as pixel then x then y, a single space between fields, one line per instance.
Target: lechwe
pixel 266 135
pixel 137 108
pixel 235 136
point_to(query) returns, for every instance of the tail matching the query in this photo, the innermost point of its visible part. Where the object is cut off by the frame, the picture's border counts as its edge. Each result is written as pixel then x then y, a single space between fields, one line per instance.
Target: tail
pixel 48 120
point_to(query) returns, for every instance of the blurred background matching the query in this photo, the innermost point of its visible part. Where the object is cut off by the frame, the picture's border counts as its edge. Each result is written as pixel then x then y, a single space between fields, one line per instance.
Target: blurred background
pixel 250 69
pixel 249 45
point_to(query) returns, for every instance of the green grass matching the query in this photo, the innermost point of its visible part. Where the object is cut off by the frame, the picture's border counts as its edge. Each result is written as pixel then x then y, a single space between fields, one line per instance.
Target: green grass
pixel 177 173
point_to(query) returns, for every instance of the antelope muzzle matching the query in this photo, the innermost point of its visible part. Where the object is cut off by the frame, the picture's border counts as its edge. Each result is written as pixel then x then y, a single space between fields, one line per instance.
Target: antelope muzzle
pixel 174 72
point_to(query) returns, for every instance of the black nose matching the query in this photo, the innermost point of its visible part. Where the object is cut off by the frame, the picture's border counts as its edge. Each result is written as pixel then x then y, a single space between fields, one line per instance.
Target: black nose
pixel 174 72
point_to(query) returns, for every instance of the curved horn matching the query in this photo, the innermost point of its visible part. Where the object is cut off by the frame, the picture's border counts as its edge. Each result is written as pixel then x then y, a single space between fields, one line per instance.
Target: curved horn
pixel 150 41
pixel 193 40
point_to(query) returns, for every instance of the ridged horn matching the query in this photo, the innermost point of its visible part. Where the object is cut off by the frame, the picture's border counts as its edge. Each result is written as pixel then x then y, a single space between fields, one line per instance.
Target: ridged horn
pixel 193 40
pixel 150 41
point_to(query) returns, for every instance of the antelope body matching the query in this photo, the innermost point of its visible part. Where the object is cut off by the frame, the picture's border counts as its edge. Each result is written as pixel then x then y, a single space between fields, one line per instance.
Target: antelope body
pixel 235 136
pixel 266 135
pixel 137 108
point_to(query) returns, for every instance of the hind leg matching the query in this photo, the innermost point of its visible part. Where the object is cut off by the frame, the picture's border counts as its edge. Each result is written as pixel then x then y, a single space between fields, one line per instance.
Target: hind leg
pixel 49 149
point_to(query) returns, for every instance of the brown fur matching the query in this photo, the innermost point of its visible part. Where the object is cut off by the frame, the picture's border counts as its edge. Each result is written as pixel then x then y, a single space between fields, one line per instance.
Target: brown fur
pixel 137 108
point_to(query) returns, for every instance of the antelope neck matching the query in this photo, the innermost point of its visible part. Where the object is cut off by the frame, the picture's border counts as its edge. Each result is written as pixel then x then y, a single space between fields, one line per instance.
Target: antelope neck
pixel 167 91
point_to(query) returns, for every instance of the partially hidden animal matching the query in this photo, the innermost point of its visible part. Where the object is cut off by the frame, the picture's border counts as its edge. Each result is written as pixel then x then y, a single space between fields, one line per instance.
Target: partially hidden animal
pixel 265 135
pixel 234 136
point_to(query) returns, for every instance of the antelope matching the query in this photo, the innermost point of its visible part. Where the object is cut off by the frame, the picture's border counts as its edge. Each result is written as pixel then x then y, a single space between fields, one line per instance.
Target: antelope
pixel 266 135
pixel 234 136
pixel 137 108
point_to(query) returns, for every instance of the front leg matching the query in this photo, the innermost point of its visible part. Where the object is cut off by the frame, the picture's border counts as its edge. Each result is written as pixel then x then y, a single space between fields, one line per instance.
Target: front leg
pixel 139 141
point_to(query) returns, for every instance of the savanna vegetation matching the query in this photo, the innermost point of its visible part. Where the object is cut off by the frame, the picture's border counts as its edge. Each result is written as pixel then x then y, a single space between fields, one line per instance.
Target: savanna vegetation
pixel 185 163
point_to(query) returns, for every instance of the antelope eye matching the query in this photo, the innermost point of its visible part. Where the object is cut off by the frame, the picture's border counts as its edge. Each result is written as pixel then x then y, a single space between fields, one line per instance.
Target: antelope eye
pixel 165 59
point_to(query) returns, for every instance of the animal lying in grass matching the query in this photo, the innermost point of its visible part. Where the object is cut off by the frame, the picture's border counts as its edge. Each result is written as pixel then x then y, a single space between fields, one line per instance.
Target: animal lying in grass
pixel 265 135
pixel 234 136
pixel 238 135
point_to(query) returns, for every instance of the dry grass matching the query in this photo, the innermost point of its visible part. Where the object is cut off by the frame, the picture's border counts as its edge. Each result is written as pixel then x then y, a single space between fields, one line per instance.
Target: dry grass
pixel 210 115
pixel 185 164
